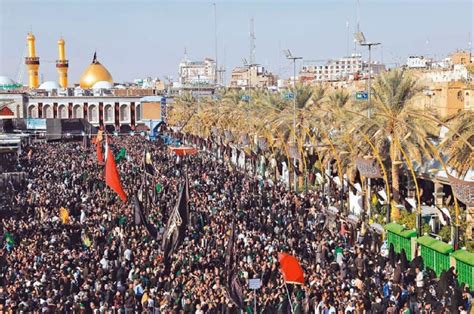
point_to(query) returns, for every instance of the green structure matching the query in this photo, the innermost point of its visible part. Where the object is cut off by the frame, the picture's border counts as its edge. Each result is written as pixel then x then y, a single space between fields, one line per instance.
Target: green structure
pixel 435 254
pixel 402 239
pixel 464 266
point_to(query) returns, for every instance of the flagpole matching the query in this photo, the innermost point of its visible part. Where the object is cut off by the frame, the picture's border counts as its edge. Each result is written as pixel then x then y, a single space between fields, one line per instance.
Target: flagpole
pixel 255 301
pixel 144 190
pixel 289 299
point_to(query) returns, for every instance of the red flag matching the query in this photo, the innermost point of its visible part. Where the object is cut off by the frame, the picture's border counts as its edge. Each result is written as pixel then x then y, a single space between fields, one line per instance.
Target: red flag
pixel 112 178
pixel 98 147
pixel 291 269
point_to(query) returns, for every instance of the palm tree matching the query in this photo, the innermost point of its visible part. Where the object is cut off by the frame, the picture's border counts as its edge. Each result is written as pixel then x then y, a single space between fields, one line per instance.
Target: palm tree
pixel 396 123
pixel 458 142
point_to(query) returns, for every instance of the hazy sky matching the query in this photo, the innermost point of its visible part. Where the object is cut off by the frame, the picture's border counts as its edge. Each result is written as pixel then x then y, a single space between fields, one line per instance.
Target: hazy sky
pixel 140 38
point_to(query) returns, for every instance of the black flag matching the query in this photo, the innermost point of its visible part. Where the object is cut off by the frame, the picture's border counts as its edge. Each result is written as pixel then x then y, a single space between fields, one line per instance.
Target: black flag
pixel 229 259
pixel 140 218
pixel 233 286
pixel 234 290
pixel 138 211
pixel 175 230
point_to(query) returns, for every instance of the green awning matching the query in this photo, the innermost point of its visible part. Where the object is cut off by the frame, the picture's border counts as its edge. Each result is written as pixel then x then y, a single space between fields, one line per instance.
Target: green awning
pixel 464 256
pixel 432 243
pixel 400 230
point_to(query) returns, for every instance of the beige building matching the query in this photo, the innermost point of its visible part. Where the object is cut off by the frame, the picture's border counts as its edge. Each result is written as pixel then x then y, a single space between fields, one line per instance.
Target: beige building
pixel 446 98
pixel 461 57
pixel 252 77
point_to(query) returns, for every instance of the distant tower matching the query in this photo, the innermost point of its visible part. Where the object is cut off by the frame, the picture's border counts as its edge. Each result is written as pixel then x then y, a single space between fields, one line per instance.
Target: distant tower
pixel 32 62
pixel 62 64
pixel 252 42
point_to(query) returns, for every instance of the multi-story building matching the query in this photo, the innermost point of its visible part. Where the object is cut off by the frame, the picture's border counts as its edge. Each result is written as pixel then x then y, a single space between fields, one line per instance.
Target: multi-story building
pixel 253 76
pixel 347 68
pixel 418 62
pixel 193 73
pixel 446 98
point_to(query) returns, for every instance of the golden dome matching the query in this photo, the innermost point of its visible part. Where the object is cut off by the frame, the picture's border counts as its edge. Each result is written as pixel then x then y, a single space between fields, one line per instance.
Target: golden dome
pixel 94 73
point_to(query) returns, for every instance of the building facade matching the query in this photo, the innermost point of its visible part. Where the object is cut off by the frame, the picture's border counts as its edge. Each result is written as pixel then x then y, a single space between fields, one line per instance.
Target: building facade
pixel 113 111
pixel 197 72
pixel 333 70
pixel 418 62
pixel 254 76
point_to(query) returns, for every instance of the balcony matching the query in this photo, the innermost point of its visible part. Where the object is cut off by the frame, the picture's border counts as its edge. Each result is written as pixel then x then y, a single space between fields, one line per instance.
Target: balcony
pixel 32 60
pixel 62 63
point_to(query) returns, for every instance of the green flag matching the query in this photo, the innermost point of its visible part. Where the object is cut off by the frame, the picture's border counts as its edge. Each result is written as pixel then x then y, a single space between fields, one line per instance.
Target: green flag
pixel 122 220
pixel 158 188
pixel 121 155
pixel 9 239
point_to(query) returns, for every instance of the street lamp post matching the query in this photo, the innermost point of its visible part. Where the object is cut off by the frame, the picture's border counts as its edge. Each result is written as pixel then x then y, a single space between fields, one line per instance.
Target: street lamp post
pixel 360 38
pixel 289 56
pixel 199 92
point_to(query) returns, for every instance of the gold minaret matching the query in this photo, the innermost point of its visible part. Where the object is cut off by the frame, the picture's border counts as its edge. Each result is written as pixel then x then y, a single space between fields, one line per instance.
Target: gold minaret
pixel 32 62
pixel 62 64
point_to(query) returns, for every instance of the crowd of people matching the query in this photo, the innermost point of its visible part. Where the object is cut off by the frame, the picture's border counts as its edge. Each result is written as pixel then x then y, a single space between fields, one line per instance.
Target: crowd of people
pixel 98 261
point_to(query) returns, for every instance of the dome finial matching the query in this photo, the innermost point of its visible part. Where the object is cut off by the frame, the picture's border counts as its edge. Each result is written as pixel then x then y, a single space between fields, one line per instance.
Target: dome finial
pixel 94 60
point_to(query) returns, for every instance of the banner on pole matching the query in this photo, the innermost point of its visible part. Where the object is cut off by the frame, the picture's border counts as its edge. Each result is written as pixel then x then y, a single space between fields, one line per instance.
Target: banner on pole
pixel 463 190
pixel 368 168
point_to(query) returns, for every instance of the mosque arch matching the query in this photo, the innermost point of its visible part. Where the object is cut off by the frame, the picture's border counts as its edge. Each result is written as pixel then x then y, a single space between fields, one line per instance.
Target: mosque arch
pixel 62 112
pixel 77 112
pixel 124 113
pixel 108 113
pixel 93 113
pixel 138 113
pixel 48 112
pixel 32 111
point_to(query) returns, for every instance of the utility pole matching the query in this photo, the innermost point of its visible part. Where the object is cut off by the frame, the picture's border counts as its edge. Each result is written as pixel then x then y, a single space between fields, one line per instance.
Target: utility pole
pixel 252 43
pixel 215 44
pixel 360 38
pixel 289 56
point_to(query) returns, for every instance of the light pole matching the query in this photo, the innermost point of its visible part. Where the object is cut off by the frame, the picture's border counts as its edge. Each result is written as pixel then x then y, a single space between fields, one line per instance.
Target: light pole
pixel 360 38
pixel 289 56
pixel 199 92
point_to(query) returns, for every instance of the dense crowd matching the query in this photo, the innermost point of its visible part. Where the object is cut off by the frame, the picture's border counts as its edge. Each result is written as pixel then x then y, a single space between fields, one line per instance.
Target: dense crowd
pixel 99 261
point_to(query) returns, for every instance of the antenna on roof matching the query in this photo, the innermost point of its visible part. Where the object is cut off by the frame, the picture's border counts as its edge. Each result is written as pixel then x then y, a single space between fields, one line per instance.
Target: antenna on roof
pixel 215 45
pixel 252 42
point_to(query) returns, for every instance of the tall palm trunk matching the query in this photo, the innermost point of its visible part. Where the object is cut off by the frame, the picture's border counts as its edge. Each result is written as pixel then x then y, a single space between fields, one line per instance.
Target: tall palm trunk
pixel 395 182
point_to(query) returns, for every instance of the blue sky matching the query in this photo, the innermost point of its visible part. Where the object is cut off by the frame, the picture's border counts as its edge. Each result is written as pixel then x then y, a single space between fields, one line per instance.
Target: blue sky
pixel 142 38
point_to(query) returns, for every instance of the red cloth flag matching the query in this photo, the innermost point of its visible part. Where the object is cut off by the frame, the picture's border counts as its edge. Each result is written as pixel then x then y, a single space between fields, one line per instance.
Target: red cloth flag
pixel 183 150
pixel 291 269
pixel 98 147
pixel 112 178
pixel 100 157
